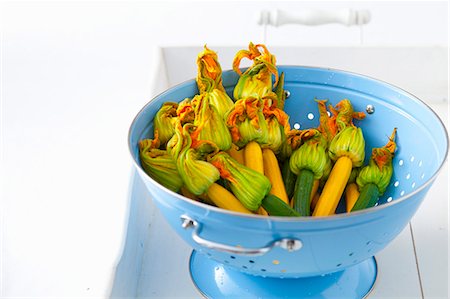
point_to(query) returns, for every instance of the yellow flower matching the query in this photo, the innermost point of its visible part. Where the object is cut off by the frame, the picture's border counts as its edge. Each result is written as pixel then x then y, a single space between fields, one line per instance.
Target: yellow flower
pixel 210 124
pixel 186 111
pixel 159 165
pixel 165 120
pixel 279 91
pixel 209 71
pixel 311 155
pixel 277 123
pixel 380 169
pixel 246 122
pixel 209 80
pixel 248 185
pixel 190 154
pixel 348 142
pixel 341 116
pixel 292 142
pixel 221 101
pixel 256 81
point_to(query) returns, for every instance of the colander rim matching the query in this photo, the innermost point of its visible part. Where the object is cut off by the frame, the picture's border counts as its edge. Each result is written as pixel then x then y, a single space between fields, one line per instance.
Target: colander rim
pixel 296 218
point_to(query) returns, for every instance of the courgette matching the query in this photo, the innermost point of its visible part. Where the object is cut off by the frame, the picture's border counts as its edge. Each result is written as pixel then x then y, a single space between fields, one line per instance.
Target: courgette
pixel 302 194
pixel 367 198
pixel 277 207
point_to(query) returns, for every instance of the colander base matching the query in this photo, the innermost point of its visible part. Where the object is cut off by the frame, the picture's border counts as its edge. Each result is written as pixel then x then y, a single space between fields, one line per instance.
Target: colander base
pixel 216 280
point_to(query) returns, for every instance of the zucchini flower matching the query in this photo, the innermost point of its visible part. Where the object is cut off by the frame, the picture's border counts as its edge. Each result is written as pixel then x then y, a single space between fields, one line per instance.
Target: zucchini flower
pixel 209 80
pixel 186 111
pixel 379 171
pixel 374 178
pixel 189 154
pixel 159 165
pixel 327 123
pixel 165 120
pixel 248 185
pixel 277 123
pixel 256 81
pixel 350 143
pixel 292 142
pixel 341 117
pixel 246 122
pixel 345 114
pixel 210 124
pixel 310 162
pixel 311 155
pixel 279 91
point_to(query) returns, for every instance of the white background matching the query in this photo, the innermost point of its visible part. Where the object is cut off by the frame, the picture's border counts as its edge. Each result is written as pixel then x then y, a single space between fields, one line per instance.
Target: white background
pixel 73 75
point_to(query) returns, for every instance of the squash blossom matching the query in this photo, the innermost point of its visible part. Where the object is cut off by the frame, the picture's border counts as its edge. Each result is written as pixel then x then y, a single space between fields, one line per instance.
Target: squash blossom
pixel 340 117
pixel 345 114
pixel 246 122
pixel 277 123
pixel 380 169
pixel 280 93
pixel 256 81
pixel 292 142
pixel 312 155
pixel 348 142
pixel 209 80
pixel 327 122
pixel 190 154
pixel 248 185
pixel 165 120
pixel 159 165
pixel 186 111
pixel 210 124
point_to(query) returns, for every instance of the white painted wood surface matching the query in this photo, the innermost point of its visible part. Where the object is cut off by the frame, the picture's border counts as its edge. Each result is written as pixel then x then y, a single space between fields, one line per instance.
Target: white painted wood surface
pixel 431 234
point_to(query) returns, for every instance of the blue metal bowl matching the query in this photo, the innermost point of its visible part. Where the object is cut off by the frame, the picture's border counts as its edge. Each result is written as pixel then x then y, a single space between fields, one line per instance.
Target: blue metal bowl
pixel 311 246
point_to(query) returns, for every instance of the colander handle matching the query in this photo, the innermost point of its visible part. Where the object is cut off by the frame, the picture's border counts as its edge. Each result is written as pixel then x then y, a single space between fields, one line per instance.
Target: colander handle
pixel 288 244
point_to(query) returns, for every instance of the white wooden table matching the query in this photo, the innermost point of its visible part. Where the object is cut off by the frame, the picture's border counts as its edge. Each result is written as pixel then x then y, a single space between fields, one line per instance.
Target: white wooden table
pixel 414 265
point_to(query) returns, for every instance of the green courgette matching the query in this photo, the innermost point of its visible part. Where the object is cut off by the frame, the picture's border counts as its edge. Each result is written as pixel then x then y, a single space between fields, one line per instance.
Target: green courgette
pixel 367 198
pixel 302 193
pixel 276 207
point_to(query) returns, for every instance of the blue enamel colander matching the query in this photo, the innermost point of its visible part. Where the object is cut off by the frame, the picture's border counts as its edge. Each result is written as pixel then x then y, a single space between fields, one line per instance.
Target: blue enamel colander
pixel 270 248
